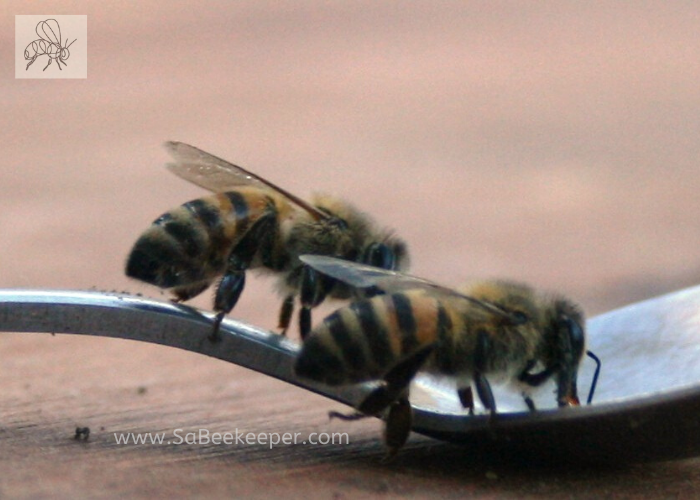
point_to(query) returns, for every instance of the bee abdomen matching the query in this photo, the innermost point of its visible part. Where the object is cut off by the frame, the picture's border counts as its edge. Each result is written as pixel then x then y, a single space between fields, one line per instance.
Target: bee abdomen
pixel 190 243
pixel 364 340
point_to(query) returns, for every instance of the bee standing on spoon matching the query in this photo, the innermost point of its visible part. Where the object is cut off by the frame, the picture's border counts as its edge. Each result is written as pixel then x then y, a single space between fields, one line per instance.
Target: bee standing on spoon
pixel 252 224
pixel 497 329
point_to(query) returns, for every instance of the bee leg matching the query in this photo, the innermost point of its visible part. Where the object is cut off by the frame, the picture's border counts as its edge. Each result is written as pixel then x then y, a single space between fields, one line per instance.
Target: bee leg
pixel 483 388
pixel 466 397
pixel 185 293
pixel 227 294
pixel 232 284
pixel 393 394
pixel 397 426
pixel 286 313
pixel 391 388
pixel 395 382
pixel 314 288
pixel 529 402
pixel 347 416
pixel 534 379
pixel 530 379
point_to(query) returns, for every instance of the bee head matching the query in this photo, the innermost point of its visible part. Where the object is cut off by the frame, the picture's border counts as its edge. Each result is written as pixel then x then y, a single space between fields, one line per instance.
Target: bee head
pixel 357 237
pixel 567 345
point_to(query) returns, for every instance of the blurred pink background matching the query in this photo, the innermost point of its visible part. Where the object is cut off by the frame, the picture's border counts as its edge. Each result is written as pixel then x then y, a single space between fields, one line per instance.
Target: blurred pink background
pixel 551 142
pixel 555 144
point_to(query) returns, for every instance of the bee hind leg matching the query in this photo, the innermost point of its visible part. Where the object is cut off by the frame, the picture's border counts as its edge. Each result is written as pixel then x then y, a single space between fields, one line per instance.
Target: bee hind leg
pixel 231 285
pixel 397 426
pixel 392 393
pixel 395 382
pixel 347 416
pixel 227 294
pixel 391 389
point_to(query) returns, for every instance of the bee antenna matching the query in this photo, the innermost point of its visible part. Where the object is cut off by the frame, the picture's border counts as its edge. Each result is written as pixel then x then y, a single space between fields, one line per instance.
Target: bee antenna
pixel 595 375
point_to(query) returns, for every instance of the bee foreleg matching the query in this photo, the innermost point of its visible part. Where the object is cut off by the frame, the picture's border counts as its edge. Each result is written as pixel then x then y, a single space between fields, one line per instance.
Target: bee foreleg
pixel 483 388
pixel 286 313
pixel 314 288
pixel 535 379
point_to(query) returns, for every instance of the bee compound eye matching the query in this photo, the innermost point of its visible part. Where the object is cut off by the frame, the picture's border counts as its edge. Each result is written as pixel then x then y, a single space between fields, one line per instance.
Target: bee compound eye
pixel 519 317
pixel 576 336
pixel 379 255
pixel 339 223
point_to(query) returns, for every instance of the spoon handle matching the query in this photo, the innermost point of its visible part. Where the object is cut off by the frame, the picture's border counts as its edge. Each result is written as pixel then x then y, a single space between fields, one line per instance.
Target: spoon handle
pixel 136 318
pixel 646 429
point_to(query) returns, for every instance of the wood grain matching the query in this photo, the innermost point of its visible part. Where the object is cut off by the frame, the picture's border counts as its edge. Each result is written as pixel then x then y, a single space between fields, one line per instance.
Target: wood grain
pixel 51 385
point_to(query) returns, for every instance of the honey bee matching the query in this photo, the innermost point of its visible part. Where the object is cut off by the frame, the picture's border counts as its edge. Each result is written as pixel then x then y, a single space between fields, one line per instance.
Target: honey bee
pixel 487 329
pixel 249 223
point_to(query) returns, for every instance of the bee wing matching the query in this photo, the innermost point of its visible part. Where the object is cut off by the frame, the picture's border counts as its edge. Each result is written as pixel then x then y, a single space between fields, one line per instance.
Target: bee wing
pixel 50 31
pixel 214 174
pixel 364 276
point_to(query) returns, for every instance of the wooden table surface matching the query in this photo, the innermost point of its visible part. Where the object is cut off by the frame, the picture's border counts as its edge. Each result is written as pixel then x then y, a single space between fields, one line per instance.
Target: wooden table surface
pixel 555 144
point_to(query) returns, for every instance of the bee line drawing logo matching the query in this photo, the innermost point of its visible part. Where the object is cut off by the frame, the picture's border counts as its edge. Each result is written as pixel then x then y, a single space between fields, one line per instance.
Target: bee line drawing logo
pixel 49 44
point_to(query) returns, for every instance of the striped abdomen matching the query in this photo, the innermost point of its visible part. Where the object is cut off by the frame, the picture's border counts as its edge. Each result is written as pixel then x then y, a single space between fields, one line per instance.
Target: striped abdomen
pixel 365 339
pixel 191 243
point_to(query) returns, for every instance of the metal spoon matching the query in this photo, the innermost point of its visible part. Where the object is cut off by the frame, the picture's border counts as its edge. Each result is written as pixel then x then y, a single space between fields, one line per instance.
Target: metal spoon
pixel 647 404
